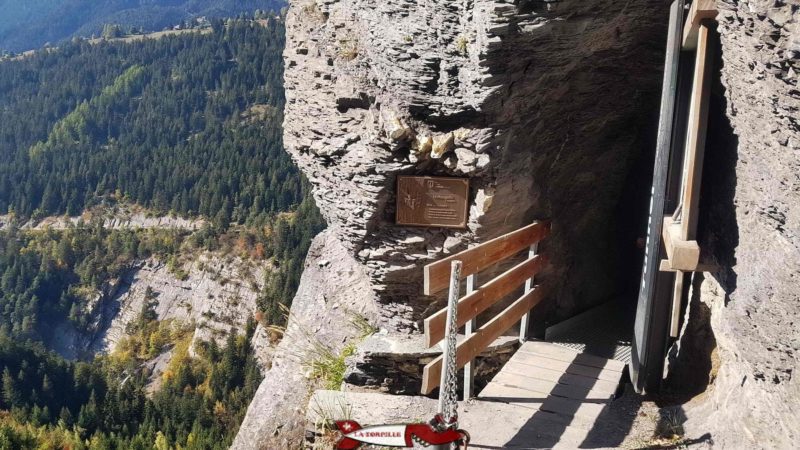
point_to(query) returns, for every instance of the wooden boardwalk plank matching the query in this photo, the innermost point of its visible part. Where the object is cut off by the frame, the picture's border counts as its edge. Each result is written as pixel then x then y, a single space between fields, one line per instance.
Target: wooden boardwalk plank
pixel 570 368
pixel 563 406
pixel 559 405
pixel 577 411
pixel 565 354
pixel 517 427
pixel 559 377
pixel 557 389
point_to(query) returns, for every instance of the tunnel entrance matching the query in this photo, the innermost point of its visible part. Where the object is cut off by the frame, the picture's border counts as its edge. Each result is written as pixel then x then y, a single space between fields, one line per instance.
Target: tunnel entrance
pixel 606 329
pixel 656 230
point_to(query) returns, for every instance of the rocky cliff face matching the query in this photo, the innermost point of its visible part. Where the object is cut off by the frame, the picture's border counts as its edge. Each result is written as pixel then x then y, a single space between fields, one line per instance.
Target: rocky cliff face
pixel 213 295
pixel 334 291
pixel 543 105
pixel 751 201
pixel 539 103
pixel 546 107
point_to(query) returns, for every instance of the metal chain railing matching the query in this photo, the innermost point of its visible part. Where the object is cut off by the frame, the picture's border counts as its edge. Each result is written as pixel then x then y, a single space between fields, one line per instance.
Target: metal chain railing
pixel 448 398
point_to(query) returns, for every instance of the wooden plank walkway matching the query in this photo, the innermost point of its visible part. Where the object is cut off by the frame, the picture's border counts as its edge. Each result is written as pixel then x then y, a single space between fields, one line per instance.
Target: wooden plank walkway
pixel 546 397
pixel 605 330
pixel 559 394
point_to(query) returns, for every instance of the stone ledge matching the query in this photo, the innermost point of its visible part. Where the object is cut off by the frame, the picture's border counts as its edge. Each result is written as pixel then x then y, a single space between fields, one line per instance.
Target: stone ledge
pixel 393 363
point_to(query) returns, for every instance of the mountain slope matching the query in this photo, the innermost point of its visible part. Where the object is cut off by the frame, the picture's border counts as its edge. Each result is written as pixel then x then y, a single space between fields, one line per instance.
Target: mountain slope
pixel 32 23
pixel 189 124
pixel 116 134
pixel 185 124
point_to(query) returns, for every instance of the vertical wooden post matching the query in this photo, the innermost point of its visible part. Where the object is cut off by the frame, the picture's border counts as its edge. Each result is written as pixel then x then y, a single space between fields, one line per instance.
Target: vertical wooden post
pixel 693 159
pixel 677 295
pixel 469 328
pixel 696 135
pixel 524 323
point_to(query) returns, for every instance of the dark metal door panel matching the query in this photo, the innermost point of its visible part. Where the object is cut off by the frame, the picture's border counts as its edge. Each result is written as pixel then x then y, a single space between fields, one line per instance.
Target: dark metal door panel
pixel 652 312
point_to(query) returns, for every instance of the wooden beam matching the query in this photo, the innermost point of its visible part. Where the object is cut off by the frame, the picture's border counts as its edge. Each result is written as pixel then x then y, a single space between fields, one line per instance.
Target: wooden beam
pixel 472 346
pixel 437 275
pixel 700 10
pixel 681 254
pixel 701 267
pixel 696 135
pixel 677 295
pixel 487 295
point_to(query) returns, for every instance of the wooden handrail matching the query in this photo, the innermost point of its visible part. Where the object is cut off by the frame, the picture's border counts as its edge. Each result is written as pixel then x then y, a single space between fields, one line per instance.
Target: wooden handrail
pixel 437 275
pixel 480 300
pixel 473 345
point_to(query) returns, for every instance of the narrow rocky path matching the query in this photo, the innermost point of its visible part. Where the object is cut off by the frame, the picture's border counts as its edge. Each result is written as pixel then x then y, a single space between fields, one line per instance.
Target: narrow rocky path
pixel 546 396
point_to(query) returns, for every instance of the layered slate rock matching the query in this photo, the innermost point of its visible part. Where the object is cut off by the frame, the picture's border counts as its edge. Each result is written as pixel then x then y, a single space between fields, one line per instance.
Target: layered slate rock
pixel 743 337
pixel 540 104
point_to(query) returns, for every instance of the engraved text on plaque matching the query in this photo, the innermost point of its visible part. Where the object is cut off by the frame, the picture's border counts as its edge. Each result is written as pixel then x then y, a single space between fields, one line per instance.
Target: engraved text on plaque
pixel 432 201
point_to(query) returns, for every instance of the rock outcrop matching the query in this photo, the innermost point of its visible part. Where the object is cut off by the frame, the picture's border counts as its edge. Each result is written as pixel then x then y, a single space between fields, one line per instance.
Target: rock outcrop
pixel 119 217
pixel 751 224
pixel 214 294
pixel 539 104
pixel 547 107
pixel 332 299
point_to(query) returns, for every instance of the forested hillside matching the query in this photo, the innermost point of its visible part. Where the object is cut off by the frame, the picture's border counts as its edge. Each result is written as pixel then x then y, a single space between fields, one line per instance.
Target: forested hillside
pixel 175 124
pixel 48 277
pixel 29 24
pixel 49 403
pixel 186 124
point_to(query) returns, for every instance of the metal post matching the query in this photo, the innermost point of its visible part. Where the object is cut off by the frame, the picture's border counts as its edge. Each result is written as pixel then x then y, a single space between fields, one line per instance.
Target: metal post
pixel 448 401
pixel 524 322
pixel 469 369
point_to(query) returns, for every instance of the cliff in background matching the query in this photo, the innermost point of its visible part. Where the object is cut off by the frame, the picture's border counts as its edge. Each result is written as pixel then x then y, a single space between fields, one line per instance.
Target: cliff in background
pixel 548 108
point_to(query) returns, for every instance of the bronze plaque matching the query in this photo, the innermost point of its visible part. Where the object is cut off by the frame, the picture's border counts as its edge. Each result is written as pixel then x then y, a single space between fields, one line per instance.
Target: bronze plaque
pixel 432 201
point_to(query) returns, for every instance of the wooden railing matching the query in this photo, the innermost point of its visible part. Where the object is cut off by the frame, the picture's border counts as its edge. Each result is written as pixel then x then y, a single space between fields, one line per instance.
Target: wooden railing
pixel 476 301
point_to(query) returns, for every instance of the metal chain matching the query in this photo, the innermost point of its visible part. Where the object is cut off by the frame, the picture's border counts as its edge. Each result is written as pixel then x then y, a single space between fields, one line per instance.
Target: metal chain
pixel 448 399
